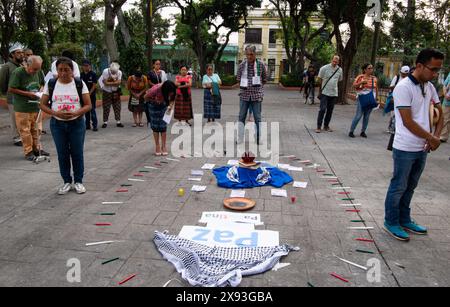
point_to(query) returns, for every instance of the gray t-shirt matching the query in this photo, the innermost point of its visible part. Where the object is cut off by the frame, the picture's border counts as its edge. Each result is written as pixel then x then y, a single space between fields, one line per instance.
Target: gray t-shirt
pixel 331 89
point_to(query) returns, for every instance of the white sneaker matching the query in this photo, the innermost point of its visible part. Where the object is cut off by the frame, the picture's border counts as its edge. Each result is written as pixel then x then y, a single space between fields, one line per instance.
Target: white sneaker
pixel 65 189
pixel 79 187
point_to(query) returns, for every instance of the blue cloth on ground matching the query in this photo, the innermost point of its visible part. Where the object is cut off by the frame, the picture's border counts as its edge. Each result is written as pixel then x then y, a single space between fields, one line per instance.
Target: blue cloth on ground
pixel 233 177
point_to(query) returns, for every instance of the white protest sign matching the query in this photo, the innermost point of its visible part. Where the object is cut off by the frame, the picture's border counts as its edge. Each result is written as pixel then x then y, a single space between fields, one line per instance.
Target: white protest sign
pixel 214 216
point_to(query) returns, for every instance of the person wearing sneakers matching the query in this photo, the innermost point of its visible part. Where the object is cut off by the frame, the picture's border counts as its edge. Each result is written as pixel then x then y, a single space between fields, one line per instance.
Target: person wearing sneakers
pixel 160 98
pixel 67 100
pixel 364 84
pixel 329 77
pixel 25 85
pixel 413 140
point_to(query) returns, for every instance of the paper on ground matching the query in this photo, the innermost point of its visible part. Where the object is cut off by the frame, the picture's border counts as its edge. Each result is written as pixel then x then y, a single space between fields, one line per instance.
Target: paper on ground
pixel 233 162
pixel 208 166
pixel 198 188
pixel 225 237
pixel 329 177
pixel 284 166
pixel 170 159
pixel 231 225
pixel 195 179
pixel 99 243
pixel 218 216
pixel 279 193
pixel 237 193
pixel 295 169
pixel 197 173
pixel 300 184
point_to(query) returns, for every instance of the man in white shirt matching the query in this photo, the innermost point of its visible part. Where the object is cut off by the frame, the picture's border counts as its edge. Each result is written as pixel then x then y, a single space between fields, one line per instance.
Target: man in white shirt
pixel 404 71
pixel 413 98
pixel 110 82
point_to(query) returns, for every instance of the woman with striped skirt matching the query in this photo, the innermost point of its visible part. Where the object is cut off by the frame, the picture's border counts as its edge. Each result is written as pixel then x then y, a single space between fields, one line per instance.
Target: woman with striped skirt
pixel 183 100
pixel 212 100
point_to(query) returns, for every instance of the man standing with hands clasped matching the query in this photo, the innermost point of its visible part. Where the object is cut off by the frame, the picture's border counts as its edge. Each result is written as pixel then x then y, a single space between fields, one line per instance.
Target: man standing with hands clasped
pixel 413 99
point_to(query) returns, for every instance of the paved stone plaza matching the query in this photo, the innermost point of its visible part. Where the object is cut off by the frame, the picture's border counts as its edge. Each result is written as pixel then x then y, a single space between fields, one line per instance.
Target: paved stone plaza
pixel 40 230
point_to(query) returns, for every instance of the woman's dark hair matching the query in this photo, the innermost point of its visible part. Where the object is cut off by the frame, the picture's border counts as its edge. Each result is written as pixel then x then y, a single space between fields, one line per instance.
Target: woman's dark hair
pixel 185 66
pixel 168 89
pixel 364 67
pixel 64 60
pixel 68 54
pixel 138 74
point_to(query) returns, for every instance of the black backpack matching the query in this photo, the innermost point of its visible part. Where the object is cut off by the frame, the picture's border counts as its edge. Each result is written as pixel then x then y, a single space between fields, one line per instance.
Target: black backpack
pixel 78 85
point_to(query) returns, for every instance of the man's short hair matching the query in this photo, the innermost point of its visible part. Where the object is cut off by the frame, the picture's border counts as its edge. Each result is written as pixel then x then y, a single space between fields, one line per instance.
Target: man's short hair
pixel 252 48
pixel 426 55
pixel 34 58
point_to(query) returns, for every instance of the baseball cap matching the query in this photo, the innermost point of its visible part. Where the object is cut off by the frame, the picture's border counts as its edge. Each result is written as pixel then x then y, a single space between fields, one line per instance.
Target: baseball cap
pixel 86 62
pixel 405 70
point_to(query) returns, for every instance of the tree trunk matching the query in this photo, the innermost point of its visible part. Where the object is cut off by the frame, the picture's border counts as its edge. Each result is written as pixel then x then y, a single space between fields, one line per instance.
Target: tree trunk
pixel 149 10
pixel 410 17
pixel 111 44
pixel 31 15
pixel 124 28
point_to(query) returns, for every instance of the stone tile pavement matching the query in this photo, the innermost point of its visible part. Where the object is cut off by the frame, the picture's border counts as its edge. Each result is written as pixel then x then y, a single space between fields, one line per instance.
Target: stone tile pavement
pixel 40 231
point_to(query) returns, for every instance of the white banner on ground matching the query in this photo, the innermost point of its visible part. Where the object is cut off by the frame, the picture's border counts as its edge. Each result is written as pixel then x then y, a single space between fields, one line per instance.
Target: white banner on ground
pixel 223 216
pixel 229 237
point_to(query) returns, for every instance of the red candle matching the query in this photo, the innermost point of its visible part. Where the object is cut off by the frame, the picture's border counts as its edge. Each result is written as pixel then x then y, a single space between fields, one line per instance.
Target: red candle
pixel 339 277
pixel 293 199
pixel 127 279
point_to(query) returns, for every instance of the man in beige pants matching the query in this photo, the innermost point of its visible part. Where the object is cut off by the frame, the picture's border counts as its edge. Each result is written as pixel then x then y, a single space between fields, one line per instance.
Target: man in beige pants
pixel 16 58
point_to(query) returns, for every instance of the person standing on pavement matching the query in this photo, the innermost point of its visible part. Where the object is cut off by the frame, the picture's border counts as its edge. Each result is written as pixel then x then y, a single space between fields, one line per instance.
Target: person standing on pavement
pixel 252 75
pixel 89 77
pixel 404 71
pixel 76 69
pixel 329 76
pixel 446 129
pixel 160 97
pixel 15 60
pixel 212 100
pixel 309 82
pixel 25 84
pixel 364 84
pixel 137 84
pixel 413 98
pixel 183 101
pixel 156 76
pixel 67 99
pixel 111 79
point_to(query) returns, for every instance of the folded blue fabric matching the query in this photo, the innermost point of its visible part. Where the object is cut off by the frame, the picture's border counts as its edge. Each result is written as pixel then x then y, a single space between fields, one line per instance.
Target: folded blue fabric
pixel 244 178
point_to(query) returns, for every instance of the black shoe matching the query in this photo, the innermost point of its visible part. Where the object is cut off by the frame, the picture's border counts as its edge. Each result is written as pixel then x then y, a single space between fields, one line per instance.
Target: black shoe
pixel 363 134
pixel 95 129
pixel 104 125
pixel 88 128
pixel 30 156
pixel 19 144
pixel 351 135
pixel 120 125
pixel 41 153
pixel 43 132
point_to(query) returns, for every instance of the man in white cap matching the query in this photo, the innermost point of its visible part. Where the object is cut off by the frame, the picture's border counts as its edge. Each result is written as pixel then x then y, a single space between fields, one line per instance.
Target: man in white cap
pixel 15 60
pixel 404 72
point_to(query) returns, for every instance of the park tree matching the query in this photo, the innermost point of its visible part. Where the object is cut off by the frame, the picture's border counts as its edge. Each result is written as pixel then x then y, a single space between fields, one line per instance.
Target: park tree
pixel 8 21
pixel 298 30
pixel 200 23
pixel 112 8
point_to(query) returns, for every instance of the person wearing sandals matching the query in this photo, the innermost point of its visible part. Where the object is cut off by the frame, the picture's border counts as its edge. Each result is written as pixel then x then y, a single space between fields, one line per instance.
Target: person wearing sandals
pixel 212 100
pixel 67 99
pixel 161 98
pixel 137 84
pixel 364 84
pixel 156 76
pixel 183 101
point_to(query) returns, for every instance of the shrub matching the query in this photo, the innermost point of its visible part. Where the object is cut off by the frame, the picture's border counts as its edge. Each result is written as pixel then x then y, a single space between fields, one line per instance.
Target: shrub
pixel 291 80
pixel 228 80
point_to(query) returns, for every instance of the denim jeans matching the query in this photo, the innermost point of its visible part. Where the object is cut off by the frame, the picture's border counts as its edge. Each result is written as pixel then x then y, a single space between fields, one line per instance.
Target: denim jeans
pixel 326 106
pixel 360 113
pixel 69 141
pixel 92 115
pixel 255 107
pixel 408 167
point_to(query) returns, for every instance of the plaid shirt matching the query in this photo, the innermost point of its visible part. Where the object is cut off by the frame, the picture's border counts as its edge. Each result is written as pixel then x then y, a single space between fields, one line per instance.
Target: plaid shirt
pixel 252 93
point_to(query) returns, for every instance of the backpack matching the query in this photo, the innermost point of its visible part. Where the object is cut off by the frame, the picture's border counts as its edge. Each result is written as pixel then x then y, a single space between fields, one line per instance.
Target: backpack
pixel 78 85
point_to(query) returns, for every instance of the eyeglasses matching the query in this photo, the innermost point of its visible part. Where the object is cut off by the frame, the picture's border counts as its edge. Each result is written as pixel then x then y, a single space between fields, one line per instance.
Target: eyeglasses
pixel 435 70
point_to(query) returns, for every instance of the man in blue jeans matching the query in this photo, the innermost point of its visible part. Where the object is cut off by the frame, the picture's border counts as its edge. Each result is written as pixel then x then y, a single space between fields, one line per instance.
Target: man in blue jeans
pixel 252 75
pixel 414 138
